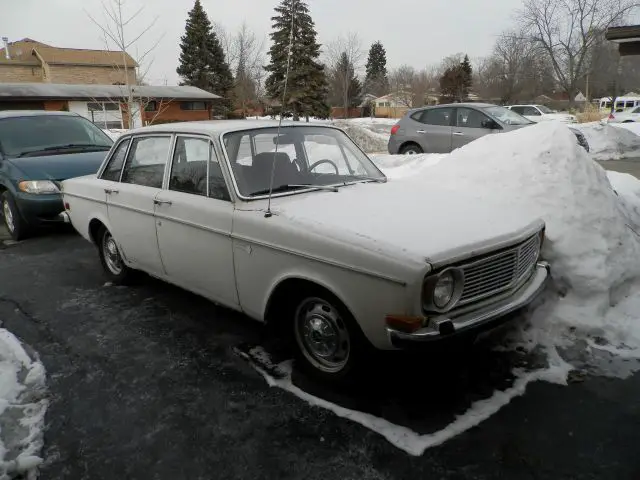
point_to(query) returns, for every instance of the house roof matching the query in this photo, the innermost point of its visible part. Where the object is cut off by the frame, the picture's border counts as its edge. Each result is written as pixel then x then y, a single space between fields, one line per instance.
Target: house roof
pixel 22 51
pixel 628 33
pixel 55 91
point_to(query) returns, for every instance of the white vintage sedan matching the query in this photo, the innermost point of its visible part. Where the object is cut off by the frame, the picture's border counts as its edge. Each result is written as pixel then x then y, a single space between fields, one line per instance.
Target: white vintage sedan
pixel 338 258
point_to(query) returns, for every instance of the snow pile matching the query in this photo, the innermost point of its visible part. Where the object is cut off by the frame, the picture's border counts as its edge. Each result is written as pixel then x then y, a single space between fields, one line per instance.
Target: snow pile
pixel 631 126
pixel 591 242
pixel 399 166
pixel 22 409
pixel 609 142
pixel 367 139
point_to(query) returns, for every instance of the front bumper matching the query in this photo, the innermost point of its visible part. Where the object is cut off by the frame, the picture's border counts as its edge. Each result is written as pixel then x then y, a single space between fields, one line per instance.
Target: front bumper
pixel 41 209
pixel 484 318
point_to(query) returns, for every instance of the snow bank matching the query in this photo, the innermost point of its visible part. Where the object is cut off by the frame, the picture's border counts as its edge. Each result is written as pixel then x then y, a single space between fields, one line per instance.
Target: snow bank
pixel 633 127
pixel 399 166
pixel 22 409
pixel 611 141
pixel 367 139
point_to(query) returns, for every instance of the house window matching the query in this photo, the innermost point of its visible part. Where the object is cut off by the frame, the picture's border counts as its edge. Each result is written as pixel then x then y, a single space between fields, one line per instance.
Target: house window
pixel 152 106
pixel 193 106
pixel 103 106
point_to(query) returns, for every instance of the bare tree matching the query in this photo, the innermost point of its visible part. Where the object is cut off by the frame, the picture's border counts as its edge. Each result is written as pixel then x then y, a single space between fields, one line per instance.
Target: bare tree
pixel 344 58
pixel 115 26
pixel 402 80
pixel 248 53
pixel 567 29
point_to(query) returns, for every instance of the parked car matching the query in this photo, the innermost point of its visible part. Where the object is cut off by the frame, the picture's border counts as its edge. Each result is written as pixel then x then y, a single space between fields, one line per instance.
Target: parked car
pixel 328 257
pixel 38 150
pixel 540 113
pixel 443 128
pixel 629 115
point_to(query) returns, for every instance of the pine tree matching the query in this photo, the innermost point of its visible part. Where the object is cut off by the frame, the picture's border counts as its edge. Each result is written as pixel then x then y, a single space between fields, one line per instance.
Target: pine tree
pixel 307 83
pixel 202 60
pixel 377 81
pixel 467 76
pixel 456 81
pixel 345 87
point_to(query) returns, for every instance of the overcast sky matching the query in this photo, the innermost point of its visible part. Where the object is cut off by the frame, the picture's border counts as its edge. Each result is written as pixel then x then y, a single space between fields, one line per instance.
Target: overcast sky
pixel 414 32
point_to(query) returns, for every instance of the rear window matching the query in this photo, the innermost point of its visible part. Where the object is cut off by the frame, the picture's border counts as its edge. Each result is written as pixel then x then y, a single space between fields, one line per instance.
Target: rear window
pixel 19 135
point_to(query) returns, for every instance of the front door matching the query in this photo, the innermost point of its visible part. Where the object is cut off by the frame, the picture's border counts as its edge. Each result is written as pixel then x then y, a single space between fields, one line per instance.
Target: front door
pixel 130 203
pixel 194 219
pixel 468 126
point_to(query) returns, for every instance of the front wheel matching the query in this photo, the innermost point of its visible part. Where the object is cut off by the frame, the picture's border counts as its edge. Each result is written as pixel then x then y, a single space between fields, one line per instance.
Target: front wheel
pixel 16 225
pixel 111 259
pixel 329 343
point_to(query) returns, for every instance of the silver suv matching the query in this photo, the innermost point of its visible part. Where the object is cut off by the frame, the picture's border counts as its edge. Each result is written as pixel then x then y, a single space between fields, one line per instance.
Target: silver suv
pixel 444 128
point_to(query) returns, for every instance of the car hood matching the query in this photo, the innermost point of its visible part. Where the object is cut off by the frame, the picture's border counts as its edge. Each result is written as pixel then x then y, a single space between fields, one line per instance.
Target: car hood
pixel 59 167
pixel 403 218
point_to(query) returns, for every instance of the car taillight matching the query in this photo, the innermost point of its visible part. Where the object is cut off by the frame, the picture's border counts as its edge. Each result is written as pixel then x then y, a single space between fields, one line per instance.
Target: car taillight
pixel 395 129
pixel 611 117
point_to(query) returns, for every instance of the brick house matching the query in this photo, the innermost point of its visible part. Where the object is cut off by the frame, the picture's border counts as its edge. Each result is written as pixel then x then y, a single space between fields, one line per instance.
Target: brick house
pixel 30 61
pixel 106 105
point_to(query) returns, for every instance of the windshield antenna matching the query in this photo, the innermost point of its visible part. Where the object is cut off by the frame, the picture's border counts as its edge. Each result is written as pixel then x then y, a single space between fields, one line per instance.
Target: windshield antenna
pixel 284 97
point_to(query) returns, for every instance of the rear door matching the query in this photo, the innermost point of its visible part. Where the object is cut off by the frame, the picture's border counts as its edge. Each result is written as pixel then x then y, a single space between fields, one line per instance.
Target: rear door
pixel 468 126
pixel 130 203
pixel 435 129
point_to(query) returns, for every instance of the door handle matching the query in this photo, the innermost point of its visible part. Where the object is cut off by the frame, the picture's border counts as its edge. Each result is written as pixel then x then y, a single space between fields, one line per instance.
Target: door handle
pixel 109 191
pixel 458 134
pixel 421 131
pixel 162 202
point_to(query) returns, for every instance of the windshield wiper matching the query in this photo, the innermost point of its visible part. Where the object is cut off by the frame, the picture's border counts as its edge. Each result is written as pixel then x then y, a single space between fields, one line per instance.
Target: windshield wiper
pixel 372 179
pixel 67 146
pixel 292 186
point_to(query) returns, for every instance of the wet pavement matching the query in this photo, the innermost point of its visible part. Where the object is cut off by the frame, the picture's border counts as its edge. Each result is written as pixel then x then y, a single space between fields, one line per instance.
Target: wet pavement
pixel 146 383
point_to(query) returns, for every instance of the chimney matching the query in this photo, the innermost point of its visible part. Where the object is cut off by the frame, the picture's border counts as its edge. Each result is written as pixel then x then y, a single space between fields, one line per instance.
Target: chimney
pixel 5 41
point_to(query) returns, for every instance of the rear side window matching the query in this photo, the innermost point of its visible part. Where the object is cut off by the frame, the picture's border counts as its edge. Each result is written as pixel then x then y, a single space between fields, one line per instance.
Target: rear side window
pixel 519 110
pixel 189 170
pixel 114 167
pixel 146 161
pixel 437 116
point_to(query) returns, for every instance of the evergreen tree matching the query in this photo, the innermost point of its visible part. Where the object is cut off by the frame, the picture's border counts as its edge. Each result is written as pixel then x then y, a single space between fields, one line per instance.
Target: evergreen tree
pixel 202 61
pixel 307 83
pixel 377 81
pixel 456 81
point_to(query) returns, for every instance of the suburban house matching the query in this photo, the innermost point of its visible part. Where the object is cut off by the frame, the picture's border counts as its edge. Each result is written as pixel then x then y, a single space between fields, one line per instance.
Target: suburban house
pixel 30 61
pixel 393 105
pixel 107 105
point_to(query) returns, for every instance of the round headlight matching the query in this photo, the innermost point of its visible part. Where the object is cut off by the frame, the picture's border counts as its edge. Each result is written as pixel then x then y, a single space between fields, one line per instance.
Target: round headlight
pixel 444 289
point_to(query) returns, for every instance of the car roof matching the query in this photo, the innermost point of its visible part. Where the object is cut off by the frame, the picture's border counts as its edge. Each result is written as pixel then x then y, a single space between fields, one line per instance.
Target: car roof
pixel 213 127
pixel 33 113
pixel 464 104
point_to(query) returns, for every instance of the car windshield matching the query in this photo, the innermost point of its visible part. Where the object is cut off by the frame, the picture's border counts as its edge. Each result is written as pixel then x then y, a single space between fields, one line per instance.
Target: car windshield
pixel 544 109
pixel 21 136
pixel 308 156
pixel 506 116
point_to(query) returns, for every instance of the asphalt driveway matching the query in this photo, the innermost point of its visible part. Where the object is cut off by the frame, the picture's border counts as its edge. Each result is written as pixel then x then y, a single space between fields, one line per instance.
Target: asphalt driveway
pixel 145 383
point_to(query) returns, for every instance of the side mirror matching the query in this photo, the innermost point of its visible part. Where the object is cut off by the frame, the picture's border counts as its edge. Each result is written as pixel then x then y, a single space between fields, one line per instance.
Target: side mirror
pixel 490 124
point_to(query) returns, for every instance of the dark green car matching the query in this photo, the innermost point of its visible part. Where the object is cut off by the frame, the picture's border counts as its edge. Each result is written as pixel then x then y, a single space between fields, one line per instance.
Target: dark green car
pixel 38 150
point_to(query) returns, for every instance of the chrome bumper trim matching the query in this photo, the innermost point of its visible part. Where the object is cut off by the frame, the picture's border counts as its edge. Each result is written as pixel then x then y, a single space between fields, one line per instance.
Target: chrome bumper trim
pixel 483 316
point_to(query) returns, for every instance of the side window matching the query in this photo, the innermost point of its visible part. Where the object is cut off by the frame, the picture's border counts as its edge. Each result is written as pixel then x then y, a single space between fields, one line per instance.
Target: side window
pixel 114 167
pixel 470 118
pixel 146 161
pixel 532 112
pixel 519 110
pixel 189 166
pixel 437 116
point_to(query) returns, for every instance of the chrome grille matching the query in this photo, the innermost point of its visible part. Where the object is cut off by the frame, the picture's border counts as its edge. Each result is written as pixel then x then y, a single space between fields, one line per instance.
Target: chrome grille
pixel 500 272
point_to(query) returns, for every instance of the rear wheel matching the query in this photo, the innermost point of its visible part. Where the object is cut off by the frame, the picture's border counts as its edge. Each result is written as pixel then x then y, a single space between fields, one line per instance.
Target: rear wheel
pixel 16 225
pixel 329 343
pixel 411 149
pixel 111 259
pixel 628 121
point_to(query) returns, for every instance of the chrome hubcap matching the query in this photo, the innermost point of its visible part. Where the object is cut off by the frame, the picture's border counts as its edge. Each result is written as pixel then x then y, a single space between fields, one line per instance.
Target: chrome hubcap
pixel 8 215
pixel 111 254
pixel 322 335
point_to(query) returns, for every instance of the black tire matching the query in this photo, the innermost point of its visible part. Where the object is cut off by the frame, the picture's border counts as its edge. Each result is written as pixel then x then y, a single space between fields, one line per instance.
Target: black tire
pixel 350 347
pixel 115 269
pixel 17 227
pixel 411 149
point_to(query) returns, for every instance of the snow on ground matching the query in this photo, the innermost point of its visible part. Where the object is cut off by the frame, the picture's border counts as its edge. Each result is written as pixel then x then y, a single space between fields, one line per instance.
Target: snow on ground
pixel 611 141
pixel 22 409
